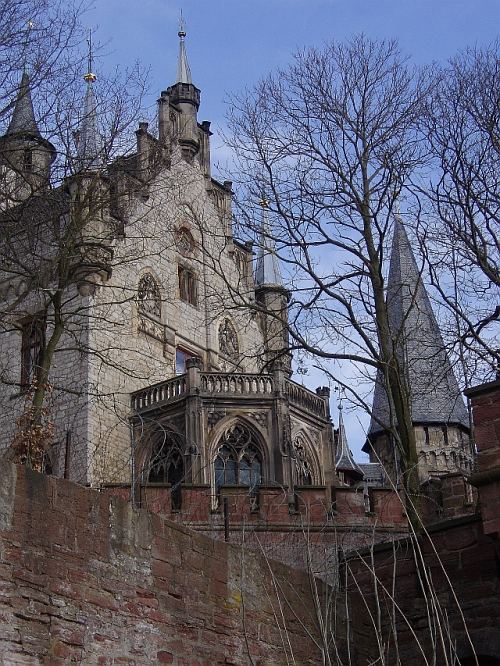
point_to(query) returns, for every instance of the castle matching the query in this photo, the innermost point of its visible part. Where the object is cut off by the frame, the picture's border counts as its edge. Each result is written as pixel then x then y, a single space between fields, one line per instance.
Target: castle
pixel 166 348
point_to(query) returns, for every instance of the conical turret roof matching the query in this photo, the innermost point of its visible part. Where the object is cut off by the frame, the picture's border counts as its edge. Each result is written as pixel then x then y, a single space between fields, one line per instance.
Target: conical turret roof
pixel 434 392
pixel 89 139
pixel 23 117
pixel 267 269
pixel 183 69
pixel 344 460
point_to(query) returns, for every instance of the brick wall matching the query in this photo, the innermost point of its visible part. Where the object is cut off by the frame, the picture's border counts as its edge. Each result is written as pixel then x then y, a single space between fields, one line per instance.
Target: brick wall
pixel 85 579
pixel 437 598
pixel 440 594
pixel 485 401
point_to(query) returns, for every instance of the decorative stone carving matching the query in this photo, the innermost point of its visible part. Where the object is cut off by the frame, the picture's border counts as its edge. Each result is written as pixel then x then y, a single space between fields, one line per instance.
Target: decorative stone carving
pixel 148 296
pixel 260 418
pixel 149 307
pixel 214 417
pixel 185 242
pixel 228 340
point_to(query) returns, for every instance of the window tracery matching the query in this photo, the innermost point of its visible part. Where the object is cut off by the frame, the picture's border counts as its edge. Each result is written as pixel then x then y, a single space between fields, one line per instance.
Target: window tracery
pixel 238 460
pixel 228 340
pixel 166 465
pixel 302 468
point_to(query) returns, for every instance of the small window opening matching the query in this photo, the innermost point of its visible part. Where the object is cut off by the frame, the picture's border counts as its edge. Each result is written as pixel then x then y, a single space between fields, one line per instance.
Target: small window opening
pixel 187 286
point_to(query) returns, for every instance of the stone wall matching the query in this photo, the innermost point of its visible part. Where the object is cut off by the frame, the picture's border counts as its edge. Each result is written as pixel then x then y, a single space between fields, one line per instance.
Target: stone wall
pixel 85 579
pixel 436 599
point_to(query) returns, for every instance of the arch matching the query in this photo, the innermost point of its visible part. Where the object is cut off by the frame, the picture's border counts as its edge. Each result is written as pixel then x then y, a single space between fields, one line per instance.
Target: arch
pixel 238 455
pixel 165 463
pixel 306 466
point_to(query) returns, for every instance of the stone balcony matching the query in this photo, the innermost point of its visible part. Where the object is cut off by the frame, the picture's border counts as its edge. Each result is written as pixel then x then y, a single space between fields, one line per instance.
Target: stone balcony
pixel 220 387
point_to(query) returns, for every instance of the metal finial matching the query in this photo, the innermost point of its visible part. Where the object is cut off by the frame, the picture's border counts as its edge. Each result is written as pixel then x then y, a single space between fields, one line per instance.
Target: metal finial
pixel 29 28
pixel 90 77
pixel 341 392
pixel 264 203
pixel 182 26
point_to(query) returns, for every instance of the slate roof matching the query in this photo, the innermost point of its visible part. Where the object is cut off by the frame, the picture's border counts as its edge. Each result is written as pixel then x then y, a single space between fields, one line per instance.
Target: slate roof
pixel 89 139
pixel 434 390
pixel 344 460
pixel 267 268
pixel 23 117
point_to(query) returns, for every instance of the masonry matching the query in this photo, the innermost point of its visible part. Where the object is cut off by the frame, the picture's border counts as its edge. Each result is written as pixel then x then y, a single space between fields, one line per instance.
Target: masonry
pixel 86 579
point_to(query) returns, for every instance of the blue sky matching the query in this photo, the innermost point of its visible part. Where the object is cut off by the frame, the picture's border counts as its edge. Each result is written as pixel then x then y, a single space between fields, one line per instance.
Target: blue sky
pixel 231 44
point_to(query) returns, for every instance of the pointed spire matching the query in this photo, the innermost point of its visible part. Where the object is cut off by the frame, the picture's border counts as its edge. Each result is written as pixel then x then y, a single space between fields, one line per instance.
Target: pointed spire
pixel 183 70
pixel 23 117
pixel 89 140
pixel 434 392
pixel 267 270
pixel 344 460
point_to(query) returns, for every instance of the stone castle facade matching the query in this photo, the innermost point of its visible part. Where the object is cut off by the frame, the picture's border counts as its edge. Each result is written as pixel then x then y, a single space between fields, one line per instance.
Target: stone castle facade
pixel 171 367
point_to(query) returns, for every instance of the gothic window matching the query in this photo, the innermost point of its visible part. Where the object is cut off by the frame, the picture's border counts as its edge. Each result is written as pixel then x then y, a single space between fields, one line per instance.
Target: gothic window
pixel 166 465
pixel 302 468
pixel 32 344
pixel 185 242
pixel 148 296
pixel 238 460
pixel 187 285
pixel 228 340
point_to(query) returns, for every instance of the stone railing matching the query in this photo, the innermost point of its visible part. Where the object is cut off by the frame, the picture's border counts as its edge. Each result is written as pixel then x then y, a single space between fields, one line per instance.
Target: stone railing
pixel 159 394
pixel 236 384
pixel 301 397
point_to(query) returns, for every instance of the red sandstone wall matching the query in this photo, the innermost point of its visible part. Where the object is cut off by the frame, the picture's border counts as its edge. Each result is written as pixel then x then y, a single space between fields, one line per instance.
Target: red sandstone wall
pixel 458 565
pixel 85 579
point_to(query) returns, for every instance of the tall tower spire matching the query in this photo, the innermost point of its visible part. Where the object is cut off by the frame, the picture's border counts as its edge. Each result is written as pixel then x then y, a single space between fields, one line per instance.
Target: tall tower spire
pixel 267 270
pixel 183 69
pixel 89 141
pixel 272 297
pixel 438 411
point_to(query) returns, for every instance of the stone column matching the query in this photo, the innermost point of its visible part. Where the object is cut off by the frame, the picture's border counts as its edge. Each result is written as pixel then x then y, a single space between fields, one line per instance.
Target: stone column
pixel 195 444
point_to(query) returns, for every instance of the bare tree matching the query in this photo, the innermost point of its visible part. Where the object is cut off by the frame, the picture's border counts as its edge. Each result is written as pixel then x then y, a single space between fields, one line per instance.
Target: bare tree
pixel 460 234
pixel 332 141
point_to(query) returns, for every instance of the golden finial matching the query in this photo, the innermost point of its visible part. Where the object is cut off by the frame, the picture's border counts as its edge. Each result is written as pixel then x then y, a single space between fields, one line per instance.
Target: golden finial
pixel 264 203
pixel 182 26
pixel 90 77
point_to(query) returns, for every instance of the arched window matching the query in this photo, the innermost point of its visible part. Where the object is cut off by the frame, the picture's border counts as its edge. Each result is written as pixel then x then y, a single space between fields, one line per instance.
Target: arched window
pixel 149 307
pixel 166 465
pixel 228 340
pixel 238 460
pixel 301 467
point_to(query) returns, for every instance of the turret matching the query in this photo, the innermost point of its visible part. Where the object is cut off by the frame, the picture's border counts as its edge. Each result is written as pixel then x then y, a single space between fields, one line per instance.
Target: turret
pixel 89 191
pixel 272 297
pixel 438 413
pixel 185 97
pixel 346 467
pixel 25 156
